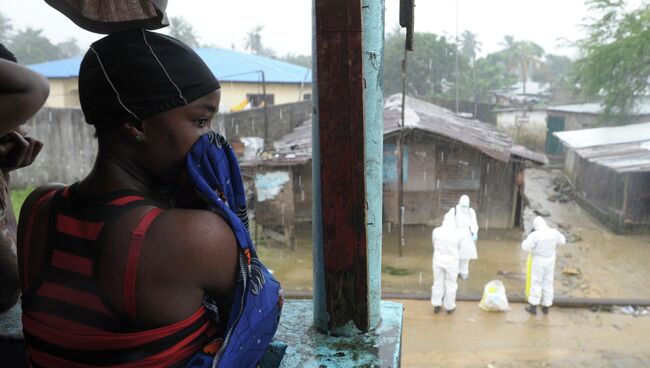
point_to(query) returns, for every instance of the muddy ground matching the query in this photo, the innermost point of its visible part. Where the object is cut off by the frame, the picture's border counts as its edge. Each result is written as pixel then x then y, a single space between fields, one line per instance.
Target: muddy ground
pixel 608 265
pixel 563 338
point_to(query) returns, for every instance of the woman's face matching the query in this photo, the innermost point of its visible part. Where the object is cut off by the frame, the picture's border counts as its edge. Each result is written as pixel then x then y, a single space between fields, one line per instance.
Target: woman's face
pixel 170 135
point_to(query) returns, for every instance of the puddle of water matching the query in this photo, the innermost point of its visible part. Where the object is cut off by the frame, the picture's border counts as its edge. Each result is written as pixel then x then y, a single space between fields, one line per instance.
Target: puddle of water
pixel 610 265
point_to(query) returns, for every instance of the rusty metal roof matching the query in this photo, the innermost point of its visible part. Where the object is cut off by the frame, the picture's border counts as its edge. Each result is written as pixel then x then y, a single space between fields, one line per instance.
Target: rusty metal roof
pixel 295 147
pixel 622 158
pixel 421 115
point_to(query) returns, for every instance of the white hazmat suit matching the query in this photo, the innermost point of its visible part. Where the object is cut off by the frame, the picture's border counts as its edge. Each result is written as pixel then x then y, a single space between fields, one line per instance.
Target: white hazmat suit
pixel 542 244
pixel 446 245
pixel 465 219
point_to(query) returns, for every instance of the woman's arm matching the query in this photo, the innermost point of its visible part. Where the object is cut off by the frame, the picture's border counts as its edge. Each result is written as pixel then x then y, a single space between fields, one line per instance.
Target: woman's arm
pixel 22 93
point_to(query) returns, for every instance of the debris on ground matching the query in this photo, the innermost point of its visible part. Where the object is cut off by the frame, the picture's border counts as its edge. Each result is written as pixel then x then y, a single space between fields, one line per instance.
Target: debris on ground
pixel 601 308
pixel 630 310
pixel 561 185
pixel 562 197
pixel 571 271
pixel 512 275
pixel 573 237
pixel 542 212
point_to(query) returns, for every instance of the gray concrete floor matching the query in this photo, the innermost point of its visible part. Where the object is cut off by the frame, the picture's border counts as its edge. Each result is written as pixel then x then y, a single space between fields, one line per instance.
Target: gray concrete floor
pixel 564 338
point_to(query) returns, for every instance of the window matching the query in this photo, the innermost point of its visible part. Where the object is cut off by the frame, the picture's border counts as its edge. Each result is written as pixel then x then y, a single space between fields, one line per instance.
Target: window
pixel 257 98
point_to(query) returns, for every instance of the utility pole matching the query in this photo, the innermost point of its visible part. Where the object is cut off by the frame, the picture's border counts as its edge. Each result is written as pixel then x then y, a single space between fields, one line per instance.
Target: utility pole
pixel 406 20
pixel 400 161
pixel 266 116
pixel 457 59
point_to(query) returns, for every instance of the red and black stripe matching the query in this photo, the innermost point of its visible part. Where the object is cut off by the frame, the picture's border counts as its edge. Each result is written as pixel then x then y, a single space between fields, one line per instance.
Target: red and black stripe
pixel 67 319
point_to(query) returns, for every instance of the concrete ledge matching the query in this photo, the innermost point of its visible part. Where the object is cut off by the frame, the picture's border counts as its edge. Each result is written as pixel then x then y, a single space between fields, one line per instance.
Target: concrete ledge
pixel 305 346
pixel 309 348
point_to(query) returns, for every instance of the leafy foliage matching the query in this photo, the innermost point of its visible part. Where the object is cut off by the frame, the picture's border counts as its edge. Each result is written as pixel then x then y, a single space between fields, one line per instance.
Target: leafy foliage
pixel 179 28
pixel 431 69
pixel 30 46
pixel 615 62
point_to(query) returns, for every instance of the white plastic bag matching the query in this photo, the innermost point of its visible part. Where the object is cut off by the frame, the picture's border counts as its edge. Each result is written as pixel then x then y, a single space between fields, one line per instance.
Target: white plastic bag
pixel 494 297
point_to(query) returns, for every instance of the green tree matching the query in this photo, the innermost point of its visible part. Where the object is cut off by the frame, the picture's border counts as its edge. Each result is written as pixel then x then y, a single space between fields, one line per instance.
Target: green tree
pixel 615 62
pixel 253 42
pixel 302 60
pixel 430 68
pixel 6 29
pixel 470 46
pixel 180 29
pixel 524 57
pixel 30 47
pixel 556 71
pixel 69 48
pixel 492 74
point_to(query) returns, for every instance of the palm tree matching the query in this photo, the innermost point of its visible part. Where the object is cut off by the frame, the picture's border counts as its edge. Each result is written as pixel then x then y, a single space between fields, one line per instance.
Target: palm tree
pixel 253 41
pixel 470 46
pixel 523 57
pixel 508 42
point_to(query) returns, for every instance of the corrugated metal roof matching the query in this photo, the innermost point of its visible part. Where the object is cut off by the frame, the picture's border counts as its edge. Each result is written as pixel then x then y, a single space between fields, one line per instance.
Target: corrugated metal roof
pixel 527 154
pixel 295 147
pixel 227 65
pixel 641 107
pixel 622 158
pixel 438 120
pixel 604 136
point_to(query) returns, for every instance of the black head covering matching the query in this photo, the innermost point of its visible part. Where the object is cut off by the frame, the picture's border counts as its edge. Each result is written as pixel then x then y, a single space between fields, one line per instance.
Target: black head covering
pixel 136 74
pixel 6 54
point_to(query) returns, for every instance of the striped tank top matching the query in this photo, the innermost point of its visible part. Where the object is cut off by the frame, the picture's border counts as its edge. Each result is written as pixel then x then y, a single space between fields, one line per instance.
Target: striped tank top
pixel 67 319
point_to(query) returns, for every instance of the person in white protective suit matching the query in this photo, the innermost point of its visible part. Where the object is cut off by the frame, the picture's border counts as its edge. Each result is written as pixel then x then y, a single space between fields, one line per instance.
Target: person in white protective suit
pixel 541 244
pixel 446 245
pixel 465 219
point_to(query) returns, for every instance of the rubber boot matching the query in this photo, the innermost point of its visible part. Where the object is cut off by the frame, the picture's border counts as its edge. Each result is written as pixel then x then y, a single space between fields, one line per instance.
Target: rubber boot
pixel 532 309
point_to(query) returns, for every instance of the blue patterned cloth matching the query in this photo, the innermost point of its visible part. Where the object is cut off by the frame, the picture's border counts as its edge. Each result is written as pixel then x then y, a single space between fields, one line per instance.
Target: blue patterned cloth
pixel 213 169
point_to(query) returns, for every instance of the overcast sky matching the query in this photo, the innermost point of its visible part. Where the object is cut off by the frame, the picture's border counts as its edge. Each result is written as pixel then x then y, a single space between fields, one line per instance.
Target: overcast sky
pixel 287 23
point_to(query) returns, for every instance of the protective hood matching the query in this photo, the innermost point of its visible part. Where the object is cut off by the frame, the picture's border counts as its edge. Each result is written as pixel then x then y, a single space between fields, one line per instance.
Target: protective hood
pixel 464 201
pixel 449 220
pixel 539 224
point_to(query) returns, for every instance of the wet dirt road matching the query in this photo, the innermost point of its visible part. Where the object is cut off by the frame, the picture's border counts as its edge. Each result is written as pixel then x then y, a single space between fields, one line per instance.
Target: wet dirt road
pixel 609 265
pixel 563 338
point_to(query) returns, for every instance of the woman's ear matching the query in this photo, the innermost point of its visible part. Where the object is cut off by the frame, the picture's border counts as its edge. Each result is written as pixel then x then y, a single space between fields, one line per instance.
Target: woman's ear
pixel 134 132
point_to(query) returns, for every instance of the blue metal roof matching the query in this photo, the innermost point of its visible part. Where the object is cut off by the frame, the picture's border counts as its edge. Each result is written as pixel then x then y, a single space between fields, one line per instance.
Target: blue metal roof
pixel 227 66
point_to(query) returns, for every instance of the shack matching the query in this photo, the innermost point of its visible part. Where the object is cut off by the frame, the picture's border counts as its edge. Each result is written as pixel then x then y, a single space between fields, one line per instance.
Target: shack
pixel 609 170
pixel 587 116
pixel 444 156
